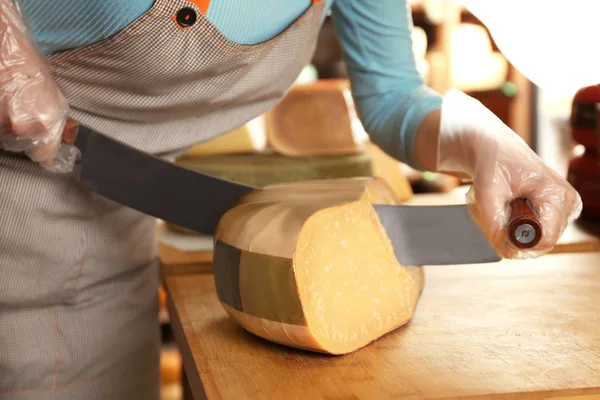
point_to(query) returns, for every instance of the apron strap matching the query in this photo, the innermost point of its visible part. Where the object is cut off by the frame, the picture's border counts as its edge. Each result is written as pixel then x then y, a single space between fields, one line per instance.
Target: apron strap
pixel 201 4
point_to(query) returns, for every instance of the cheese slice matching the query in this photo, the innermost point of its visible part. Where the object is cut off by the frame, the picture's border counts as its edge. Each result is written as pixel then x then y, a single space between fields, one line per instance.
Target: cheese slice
pixel 315 119
pixel 309 265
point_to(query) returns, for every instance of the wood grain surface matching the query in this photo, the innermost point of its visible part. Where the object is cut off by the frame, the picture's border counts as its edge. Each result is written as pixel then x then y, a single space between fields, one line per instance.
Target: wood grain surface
pixel 510 330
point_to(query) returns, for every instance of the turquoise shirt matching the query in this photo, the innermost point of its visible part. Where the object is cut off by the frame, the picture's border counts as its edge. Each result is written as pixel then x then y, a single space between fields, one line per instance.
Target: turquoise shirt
pixel 391 98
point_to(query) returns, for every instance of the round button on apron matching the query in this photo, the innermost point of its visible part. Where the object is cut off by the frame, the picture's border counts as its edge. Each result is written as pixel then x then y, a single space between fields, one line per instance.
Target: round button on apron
pixel 186 17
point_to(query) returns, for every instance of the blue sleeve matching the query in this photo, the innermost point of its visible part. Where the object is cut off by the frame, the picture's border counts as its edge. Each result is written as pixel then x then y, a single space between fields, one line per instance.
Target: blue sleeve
pixel 66 24
pixel 390 95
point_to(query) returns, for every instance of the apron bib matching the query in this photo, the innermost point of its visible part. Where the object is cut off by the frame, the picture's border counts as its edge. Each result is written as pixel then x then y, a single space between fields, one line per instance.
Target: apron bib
pixel 167 81
pixel 171 79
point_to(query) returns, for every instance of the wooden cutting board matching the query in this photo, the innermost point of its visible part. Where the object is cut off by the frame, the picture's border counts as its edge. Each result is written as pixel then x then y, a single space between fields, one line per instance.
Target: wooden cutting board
pixel 512 330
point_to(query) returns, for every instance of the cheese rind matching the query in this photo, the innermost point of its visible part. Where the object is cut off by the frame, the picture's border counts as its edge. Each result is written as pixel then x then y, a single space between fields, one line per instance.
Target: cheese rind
pixel 309 265
pixel 316 119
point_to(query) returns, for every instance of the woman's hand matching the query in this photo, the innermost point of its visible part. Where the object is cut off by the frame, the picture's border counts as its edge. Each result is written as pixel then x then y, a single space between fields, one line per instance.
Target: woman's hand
pixel 476 143
pixel 33 110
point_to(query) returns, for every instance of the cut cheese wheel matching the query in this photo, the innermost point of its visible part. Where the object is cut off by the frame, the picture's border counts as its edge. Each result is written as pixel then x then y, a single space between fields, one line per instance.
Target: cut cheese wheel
pixel 261 170
pixel 249 138
pixel 315 119
pixel 309 265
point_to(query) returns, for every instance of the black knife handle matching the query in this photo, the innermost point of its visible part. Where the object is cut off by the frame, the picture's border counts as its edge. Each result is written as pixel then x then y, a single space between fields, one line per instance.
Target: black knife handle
pixel 524 227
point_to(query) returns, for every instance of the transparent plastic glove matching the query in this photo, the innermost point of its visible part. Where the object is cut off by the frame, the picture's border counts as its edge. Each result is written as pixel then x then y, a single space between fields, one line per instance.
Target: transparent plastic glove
pixel 33 110
pixel 476 143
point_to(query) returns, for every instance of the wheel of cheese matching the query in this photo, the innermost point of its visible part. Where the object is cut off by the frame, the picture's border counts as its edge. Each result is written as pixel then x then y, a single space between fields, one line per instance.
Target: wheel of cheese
pixel 261 170
pixel 249 138
pixel 315 119
pixel 309 265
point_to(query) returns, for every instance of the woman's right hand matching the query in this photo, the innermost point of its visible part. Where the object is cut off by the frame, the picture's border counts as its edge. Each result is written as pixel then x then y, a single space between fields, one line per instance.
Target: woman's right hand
pixel 33 110
pixel 473 141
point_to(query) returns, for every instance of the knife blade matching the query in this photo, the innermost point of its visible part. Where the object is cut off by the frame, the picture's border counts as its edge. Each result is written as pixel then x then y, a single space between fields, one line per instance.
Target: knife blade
pixel 435 235
pixel 149 184
pixel 448 235
pixel 420 235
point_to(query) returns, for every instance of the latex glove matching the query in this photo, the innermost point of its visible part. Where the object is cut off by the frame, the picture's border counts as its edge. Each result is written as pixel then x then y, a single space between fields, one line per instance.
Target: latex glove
pixel 476 143
pixel 33 110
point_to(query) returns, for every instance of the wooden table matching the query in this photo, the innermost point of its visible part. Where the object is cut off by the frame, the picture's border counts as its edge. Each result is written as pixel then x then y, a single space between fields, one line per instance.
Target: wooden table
pixel 511 330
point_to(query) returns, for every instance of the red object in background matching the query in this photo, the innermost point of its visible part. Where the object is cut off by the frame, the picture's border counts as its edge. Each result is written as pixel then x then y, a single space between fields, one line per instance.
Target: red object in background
pixel 584 170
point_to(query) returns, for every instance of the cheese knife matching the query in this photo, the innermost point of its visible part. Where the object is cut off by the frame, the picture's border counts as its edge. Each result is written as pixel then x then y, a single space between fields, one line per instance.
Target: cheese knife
pixel 421 235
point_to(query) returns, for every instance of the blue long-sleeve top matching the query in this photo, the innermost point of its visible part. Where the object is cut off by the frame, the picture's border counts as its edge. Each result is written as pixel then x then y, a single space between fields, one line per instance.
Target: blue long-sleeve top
pixel 390 95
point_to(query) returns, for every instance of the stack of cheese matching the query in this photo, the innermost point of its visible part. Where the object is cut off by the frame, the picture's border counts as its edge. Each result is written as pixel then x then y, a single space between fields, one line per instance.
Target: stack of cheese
pixel 313 133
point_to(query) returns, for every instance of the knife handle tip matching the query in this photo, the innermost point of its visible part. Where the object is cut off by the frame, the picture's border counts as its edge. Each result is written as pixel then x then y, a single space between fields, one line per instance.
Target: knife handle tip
pixel 524 228
pixel 70 131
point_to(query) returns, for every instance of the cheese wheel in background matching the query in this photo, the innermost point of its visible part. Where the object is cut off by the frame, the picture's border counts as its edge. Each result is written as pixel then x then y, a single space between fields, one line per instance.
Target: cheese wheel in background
pixel 391 171
pixel 472 62
pixel 268 169
pixel 309 265
pixel 247 139
pixel 316 119
pixel 250 137
pixel 307 75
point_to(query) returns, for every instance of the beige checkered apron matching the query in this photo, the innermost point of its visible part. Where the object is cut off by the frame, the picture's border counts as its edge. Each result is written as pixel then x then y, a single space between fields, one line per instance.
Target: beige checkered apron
pixel 78 273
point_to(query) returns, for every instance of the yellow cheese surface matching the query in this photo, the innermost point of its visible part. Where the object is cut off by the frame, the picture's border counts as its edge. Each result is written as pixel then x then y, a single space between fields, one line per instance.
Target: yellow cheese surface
pixel 309 265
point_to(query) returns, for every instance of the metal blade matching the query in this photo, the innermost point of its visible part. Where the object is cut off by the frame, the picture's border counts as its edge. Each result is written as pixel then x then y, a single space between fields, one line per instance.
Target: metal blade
pixel 435 235
pixel 153 186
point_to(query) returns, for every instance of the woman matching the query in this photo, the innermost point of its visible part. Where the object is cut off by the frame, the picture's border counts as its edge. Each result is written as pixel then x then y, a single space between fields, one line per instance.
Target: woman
pixel 79 273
